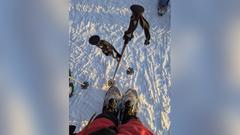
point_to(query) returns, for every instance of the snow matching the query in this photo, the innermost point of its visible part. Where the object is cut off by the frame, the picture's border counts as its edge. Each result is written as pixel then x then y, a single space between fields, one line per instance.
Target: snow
pixel 109 19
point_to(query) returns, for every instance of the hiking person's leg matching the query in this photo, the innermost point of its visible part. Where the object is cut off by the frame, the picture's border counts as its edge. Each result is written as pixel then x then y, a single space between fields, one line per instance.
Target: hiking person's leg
pixel 105 123
pixel 131 125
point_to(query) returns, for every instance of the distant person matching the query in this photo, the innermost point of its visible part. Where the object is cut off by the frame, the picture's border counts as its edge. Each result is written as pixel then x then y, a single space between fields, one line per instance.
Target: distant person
pixel 108 122
pixel 137 15
pixel 107 48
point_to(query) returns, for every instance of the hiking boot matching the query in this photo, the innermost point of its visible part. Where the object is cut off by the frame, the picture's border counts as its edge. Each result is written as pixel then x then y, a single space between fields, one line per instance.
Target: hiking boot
pixel 110 106
pixel 111 100
pixel 130 107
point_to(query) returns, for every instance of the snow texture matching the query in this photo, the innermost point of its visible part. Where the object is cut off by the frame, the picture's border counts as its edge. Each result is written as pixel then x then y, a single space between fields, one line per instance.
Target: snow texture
pixel 109 19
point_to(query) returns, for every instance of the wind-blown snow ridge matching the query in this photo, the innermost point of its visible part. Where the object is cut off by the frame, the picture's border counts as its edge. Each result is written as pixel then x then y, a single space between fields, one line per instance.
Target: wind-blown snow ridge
pixel 109 19
pixel 93 8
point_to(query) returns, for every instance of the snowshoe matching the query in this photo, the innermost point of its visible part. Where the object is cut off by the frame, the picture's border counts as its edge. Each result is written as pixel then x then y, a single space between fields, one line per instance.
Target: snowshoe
pixel 130 71
pixel 137 9
pixel 94 40
pixel 129 106
pixel 84 85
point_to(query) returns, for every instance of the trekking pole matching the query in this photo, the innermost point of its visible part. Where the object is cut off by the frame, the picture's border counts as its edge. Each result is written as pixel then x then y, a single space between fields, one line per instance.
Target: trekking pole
pixel 115 72
pixel 76 80
pixel 83 85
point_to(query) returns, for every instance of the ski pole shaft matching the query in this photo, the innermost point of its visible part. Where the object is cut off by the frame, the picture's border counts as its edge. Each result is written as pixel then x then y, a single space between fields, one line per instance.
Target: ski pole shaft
pixel 75 80
pixel 115 72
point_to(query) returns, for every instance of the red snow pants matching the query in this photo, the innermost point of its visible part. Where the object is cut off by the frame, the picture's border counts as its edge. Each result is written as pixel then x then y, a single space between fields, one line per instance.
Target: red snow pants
pixel 99 126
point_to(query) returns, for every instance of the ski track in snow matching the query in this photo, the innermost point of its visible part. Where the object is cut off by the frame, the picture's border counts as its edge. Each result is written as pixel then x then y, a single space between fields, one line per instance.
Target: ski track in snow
pixel 109 19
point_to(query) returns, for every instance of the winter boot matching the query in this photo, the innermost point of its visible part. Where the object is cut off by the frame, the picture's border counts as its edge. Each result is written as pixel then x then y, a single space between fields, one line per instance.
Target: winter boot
pixel 129 106
pixel 110 106
pixel 111 100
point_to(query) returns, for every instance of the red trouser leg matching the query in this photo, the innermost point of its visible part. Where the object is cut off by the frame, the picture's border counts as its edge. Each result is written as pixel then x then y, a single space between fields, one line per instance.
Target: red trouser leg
pixel 96 125
pixel 133 127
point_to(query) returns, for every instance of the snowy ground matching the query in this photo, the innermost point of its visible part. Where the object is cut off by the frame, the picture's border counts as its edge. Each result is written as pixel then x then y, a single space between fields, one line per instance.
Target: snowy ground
pixel 109 19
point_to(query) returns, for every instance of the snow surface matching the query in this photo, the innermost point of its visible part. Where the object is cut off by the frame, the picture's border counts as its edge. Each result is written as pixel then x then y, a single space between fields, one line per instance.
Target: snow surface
pixel 109 19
